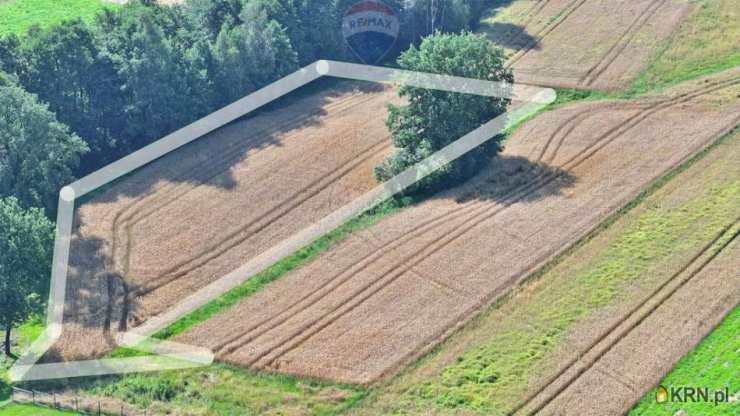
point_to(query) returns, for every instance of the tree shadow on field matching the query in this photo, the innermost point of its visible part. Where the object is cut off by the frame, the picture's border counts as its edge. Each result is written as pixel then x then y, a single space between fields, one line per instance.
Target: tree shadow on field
pixel 98 303
pixel 495 6
pixel 509 36
pixel 208 160
pixel 512 179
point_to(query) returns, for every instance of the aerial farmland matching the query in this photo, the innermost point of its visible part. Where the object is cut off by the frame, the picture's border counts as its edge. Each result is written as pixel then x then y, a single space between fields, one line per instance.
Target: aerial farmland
pixel 230 211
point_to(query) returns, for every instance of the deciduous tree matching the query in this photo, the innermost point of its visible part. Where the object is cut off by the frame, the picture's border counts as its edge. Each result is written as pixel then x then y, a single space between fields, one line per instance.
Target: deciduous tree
pixel 38 154
pixel 251 55
pixel 433 119
pixel 65 68
pixel 26 238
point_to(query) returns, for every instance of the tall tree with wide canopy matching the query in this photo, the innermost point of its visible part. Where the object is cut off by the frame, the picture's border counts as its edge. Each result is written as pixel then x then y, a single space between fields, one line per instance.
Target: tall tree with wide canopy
pixel 433 119
pixel 26 238
pixel 250 55
pixel 313 26
pixel 163 88
pixel 38 154
pixel 65 68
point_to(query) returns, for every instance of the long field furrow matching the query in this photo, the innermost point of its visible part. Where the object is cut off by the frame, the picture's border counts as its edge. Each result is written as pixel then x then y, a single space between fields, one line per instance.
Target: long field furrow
pixel 627 37
pixel 283 335
pixel 546 30
pixel 157 200
pixel 202 211
pixel 618 330
pixel 465 226
pixel 600 44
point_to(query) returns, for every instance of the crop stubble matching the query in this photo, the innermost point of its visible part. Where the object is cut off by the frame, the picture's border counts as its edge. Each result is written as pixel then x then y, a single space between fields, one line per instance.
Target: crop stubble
pixel 635 352
pixel 200 212
pixel 601 44
pixel 383 297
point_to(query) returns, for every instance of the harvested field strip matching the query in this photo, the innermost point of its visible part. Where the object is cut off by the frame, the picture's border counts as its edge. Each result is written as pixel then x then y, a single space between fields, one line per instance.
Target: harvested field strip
pixel 597 69
pixel 476 217
pixel 501 356
pixel 239 339
pixel 302 161
pixel 551 26
pixel 704 43
pixel 592 74
pixel 128 218
pixel 620 328
pixel 262 279
pixel 713 364
pixel 166 195
pixel 235 237
pixel 596 44
pixel 310 299
pixel 531 14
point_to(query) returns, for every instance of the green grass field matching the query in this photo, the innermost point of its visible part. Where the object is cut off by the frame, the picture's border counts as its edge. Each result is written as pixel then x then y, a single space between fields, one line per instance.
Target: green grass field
pixel 26 334
pixel 705 43
pixel 714 364
pixel 226 390
pixel 28 410
pixel 17 16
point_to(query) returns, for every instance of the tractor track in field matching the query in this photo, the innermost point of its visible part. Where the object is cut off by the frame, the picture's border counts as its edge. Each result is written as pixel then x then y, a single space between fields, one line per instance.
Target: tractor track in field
pixel 601 74
pixel 475 217
pixel 617 48
pixel 469 224
pixel 542 33
pixel 132 241
pixel 254 226
pixel 659 295
pixel 530 15
pixel 232 239
pixel 125 219
pixel 415 232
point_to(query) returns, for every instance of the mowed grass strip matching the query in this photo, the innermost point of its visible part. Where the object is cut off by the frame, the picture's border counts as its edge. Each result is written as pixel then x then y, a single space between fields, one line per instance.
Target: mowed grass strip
pixel 17 16
pixel 704 43
pixel 714 364
pixel 494 362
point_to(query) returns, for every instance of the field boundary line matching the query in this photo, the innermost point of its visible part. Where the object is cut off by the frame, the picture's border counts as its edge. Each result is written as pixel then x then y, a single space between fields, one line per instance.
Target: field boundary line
pixel 170 355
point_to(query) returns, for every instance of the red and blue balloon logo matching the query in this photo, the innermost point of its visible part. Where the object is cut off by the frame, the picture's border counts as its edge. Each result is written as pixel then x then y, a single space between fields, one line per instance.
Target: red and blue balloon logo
pixel 371 29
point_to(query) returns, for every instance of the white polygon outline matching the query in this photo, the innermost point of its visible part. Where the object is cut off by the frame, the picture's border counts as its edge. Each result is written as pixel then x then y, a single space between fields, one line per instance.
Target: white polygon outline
pixel 171 355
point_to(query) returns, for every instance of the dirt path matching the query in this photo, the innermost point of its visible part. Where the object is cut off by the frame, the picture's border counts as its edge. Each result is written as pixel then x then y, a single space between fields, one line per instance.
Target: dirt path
pixel 191 217
pixel 385 296
pixel 598 44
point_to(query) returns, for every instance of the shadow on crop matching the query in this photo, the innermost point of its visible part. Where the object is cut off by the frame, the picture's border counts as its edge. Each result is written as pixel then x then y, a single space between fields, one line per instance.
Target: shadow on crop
pixel 512 179
pixel 509 36
pixel 208 161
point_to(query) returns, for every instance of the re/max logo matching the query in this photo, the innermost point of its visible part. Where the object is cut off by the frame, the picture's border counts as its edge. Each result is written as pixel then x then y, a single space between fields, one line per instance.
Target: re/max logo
pixel 689 394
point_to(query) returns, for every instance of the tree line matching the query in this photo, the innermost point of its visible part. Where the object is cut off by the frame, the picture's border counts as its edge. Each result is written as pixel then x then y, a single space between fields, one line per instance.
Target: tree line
pixel 76 96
